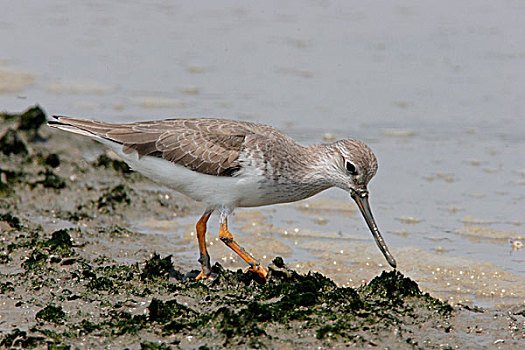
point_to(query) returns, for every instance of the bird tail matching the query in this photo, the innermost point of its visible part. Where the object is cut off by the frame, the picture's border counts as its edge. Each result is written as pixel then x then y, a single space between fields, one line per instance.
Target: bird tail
pixel 90 128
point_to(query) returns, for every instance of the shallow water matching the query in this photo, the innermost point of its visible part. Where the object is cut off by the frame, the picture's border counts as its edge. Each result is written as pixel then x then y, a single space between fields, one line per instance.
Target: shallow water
pixel 435 89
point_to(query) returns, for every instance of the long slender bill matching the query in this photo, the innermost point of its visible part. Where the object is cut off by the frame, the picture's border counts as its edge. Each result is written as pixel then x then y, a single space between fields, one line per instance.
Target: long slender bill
pixel 361 198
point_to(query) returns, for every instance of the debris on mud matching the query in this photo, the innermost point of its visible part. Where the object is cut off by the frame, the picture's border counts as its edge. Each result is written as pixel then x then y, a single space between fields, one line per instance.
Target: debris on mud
pixel 11 143
pixel 29 122
pixel 111 198
pixel 67 280
pixel 117 165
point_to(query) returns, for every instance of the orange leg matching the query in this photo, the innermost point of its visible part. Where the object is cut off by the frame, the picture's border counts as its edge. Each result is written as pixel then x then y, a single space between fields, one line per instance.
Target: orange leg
pixel 227 238
pixel 204 258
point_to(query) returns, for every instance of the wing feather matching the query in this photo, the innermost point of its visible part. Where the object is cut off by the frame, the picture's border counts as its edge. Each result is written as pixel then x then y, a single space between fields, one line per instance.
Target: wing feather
pixel 207 145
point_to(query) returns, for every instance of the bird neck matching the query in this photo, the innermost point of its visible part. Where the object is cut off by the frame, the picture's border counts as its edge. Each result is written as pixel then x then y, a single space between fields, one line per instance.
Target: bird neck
pixel 318 163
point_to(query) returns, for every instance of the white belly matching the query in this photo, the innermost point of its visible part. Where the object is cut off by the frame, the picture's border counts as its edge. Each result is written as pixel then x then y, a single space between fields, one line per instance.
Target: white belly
pixel 215 191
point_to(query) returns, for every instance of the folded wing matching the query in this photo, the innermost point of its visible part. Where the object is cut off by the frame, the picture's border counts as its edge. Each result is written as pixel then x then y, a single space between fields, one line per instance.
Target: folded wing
pixel 207 145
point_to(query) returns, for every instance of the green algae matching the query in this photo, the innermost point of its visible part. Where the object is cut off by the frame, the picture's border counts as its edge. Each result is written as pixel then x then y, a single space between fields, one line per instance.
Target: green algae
pixel 37 260
pixel 158 267
pixel 58 347
pixel 9 179
pixel 51 313
pixel 30 120
pixel 12 144
pixel 101 283
pixel 28 123
pixel 60 240
pixel 59 246
pixel 115 164
pixel 52 160
pixel 148 345
pixel 125 323
pixel 11 220
pixel 114 197
pixel 242 310
pixel 6 287
pixel 20 140
pixel 163 312
pixel 50 180
pixel 50 335
pixel 118 231
pixel 20 339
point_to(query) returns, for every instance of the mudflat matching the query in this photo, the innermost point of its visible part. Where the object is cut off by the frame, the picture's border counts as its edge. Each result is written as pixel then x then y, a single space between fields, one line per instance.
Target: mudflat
pixel 75 274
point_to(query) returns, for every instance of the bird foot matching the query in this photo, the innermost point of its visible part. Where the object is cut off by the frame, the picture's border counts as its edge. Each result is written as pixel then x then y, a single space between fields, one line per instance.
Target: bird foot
pixel 260 270
pixel 202 276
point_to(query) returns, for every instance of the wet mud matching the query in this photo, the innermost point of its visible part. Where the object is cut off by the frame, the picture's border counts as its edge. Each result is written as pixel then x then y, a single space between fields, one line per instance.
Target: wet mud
pixel 75 273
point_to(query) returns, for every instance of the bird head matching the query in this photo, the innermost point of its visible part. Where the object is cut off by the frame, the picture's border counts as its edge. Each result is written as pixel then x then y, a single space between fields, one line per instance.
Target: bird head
pixel 354 165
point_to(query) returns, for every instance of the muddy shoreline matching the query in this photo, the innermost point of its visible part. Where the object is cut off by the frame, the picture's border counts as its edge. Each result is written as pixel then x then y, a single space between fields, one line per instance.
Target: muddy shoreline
pixel 74 273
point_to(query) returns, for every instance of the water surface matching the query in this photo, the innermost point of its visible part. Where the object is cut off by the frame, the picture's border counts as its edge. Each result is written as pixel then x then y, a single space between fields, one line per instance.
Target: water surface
pixel 436 89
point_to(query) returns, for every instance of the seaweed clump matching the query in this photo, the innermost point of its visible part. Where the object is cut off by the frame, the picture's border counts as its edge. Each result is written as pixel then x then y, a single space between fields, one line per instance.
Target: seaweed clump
pixel 12 143
pixel 28 121
pixel 50 180
pixel 236 309
pixel 20 339
pixel 246 312
pixel 118 165
pixel 112 198
pixel 51 313
pixel 311 303
pixel 58 248
pixel 24 165
pixel 158 267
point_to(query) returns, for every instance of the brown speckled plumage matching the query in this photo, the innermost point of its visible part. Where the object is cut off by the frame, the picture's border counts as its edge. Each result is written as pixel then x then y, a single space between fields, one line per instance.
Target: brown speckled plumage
pixel 207 145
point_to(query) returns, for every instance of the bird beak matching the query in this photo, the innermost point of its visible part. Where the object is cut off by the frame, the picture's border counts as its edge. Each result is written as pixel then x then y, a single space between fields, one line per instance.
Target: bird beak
pixel 361 198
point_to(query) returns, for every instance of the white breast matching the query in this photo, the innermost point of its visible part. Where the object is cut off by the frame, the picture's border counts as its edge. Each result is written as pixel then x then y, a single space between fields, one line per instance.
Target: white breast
pixel 215 191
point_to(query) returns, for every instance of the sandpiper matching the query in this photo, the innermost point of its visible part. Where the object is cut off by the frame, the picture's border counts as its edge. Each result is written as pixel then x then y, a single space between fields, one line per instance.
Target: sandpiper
pixel 228 164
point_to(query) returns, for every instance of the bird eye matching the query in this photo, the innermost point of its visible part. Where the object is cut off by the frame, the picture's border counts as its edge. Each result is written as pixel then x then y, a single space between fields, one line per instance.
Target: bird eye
pixel 351 168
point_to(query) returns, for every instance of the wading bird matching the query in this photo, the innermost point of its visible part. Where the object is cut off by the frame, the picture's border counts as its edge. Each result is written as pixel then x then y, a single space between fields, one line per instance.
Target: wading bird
pixel 227 164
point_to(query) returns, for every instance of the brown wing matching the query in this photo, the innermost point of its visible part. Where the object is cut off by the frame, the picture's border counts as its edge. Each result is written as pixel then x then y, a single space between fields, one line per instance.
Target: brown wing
pixel 207 145
pixel 213 154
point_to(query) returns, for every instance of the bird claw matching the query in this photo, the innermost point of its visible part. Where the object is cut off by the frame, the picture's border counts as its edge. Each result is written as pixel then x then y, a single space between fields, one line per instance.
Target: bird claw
pixel 202 276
